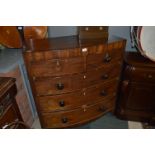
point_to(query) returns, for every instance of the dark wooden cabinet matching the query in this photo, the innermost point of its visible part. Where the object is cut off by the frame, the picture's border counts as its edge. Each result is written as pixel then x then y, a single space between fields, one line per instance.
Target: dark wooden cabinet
pixel 136 99
pixel 73 82
pixel 10 116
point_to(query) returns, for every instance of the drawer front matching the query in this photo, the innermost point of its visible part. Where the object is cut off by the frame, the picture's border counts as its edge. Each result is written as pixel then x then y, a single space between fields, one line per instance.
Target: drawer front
pixel 140 74
pixel 58 85
pixel 102 74
pixel 77 99
pixel 8 116
pixel 77 116
pixel 57 67
pixel 103 59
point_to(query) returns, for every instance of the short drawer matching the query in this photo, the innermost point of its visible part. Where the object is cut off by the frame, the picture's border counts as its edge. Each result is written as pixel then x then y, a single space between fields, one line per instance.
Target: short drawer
pixel 104 59
pixel 138 74
pixel 76 116
pixel 57 67
pixel 102 74
pixel 78 98
pixel 58 85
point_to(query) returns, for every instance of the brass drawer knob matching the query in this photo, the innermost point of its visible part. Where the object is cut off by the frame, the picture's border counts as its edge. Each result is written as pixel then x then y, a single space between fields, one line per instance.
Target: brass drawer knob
pixel 103 93
pixel 64 120
pixel 60 86
pixel 62 103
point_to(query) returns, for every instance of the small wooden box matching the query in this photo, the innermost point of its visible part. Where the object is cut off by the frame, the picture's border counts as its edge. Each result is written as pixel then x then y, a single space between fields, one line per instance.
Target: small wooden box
pixel 93 32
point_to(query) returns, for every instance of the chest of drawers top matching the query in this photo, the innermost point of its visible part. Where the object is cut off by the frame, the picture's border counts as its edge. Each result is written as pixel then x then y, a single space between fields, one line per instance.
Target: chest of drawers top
pixel 68 42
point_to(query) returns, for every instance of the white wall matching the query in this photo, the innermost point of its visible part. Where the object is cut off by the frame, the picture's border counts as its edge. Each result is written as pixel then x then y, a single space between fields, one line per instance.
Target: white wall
pixel 122 31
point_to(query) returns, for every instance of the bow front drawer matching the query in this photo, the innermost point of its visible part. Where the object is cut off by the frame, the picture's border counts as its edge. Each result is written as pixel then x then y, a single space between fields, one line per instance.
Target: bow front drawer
pixel 57 67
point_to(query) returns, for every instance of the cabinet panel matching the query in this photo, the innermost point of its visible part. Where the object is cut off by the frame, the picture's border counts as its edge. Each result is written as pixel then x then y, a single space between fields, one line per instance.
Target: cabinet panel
pixel 136 99
pixel 140 96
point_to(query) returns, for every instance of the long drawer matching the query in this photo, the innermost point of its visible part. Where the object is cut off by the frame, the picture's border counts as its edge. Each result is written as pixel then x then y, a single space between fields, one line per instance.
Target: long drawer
pixel 65 84
pixel 76 116
pixel 78 98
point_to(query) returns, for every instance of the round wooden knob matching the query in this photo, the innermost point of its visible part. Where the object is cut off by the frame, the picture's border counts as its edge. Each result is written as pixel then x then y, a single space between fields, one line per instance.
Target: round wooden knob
pixel 60 86
pixel 105 76
pixel 103 93
pixel 62 103
pixel 64 120
pixel 107 59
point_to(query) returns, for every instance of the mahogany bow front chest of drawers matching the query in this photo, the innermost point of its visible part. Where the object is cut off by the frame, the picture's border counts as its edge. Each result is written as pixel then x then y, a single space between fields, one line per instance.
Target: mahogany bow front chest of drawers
pixel 73 82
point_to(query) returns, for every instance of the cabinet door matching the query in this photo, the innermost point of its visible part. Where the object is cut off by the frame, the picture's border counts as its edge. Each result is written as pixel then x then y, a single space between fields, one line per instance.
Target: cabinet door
pixel 138 96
